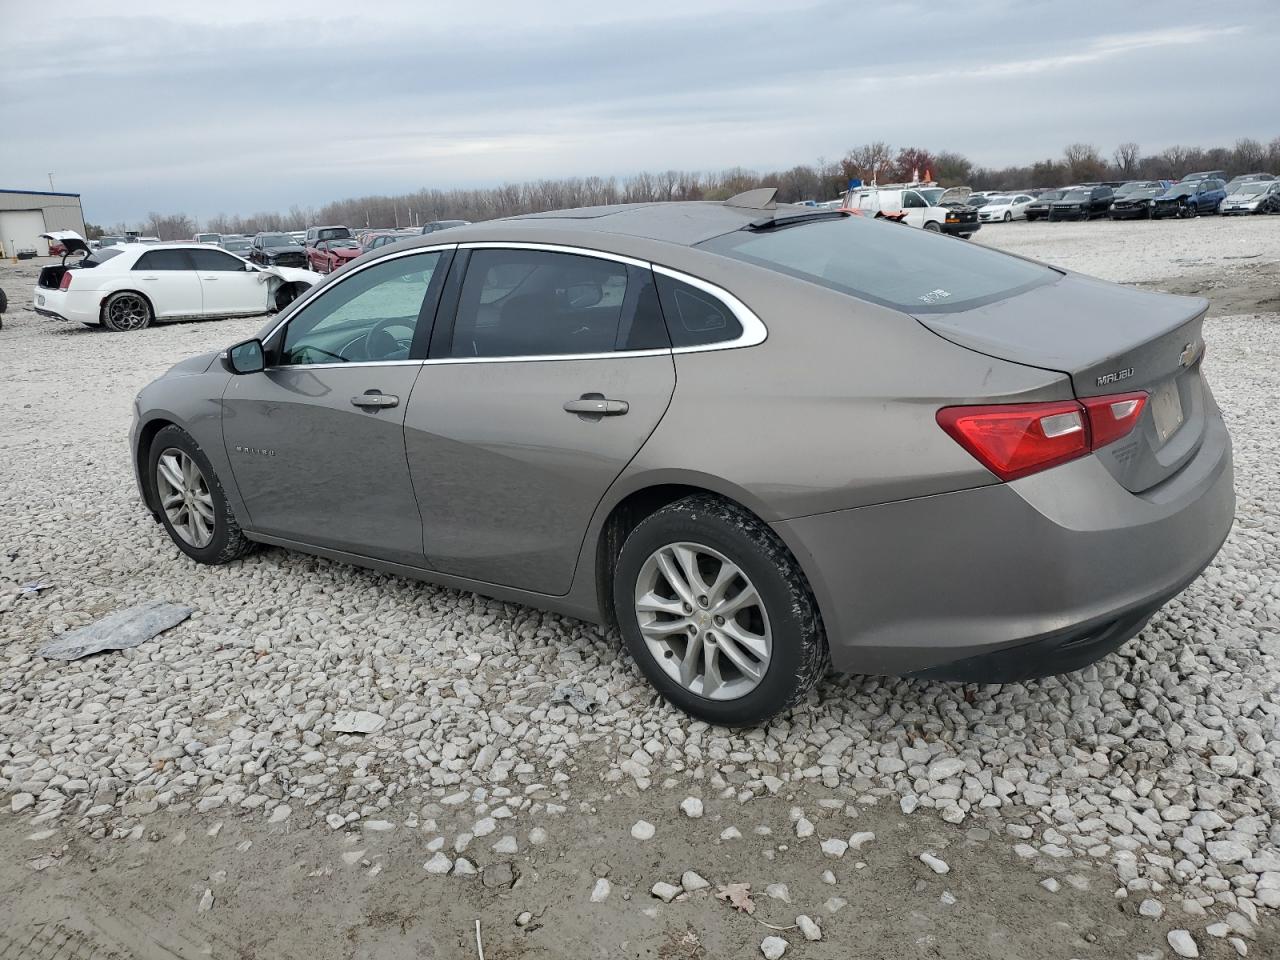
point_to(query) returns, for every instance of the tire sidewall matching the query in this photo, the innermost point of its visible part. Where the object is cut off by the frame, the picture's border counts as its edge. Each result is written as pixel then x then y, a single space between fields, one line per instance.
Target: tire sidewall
pixel 172 437
pixel 784 681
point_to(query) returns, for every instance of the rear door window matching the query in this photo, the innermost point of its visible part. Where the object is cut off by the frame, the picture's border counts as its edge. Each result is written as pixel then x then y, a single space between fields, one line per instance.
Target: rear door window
pixel 164 260
pixel 530 303
pixel 905 269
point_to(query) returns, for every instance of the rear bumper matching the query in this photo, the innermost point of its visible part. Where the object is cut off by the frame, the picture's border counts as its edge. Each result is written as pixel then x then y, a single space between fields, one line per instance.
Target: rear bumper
pixel 1007 581
pixel 72 305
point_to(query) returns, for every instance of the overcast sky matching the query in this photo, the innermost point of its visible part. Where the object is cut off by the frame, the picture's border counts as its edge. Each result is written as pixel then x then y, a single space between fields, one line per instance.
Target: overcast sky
pixel 243 106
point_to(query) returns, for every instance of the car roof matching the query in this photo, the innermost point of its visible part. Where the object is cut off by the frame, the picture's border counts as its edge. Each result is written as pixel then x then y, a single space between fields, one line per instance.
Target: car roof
pixel 682 223
pixel 663 233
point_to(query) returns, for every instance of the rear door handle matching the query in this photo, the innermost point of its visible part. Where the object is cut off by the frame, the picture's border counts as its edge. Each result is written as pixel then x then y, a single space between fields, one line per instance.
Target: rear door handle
pixel 597 406
pixel 375 400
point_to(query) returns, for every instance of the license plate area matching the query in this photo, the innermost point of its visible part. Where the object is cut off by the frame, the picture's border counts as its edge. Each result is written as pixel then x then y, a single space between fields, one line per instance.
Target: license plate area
pixel 1166 410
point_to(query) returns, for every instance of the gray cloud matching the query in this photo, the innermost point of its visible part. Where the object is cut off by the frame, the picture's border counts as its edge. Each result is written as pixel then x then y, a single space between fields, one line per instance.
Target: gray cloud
pixel 241 106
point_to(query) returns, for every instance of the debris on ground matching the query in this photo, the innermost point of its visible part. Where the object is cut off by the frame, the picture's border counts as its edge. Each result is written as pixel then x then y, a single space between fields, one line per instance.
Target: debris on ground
pixel 574 696
pixel 117 631
pixel 358 721
pixel 737 895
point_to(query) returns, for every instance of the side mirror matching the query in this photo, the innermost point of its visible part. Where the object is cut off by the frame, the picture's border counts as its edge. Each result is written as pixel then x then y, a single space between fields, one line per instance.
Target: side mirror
pixel 249 268
pixel 246 357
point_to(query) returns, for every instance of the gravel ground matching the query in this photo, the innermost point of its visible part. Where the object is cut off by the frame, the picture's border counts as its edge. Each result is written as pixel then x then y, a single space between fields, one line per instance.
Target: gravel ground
pixel 1118 812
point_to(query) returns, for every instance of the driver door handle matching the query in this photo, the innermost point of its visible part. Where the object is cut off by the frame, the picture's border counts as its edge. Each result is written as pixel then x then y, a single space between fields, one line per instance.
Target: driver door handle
pixel 375 400
pixel 597 405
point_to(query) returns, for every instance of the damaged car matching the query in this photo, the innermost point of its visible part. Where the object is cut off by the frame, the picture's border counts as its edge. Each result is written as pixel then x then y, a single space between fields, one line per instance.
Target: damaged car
pixel 1252 196
pixel 129 287
pixel 1191 196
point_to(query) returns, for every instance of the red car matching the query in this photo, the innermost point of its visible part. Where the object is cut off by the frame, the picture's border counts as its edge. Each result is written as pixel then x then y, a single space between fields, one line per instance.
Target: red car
pixel 329 255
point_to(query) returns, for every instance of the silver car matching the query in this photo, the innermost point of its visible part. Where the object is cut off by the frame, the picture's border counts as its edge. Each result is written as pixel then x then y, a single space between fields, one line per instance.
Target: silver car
pixel 755 438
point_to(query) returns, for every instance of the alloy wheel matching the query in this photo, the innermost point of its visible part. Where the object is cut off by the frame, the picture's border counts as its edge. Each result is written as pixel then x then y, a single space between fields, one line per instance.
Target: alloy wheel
pixel 703 621
pixel 128 312
pixel 185 497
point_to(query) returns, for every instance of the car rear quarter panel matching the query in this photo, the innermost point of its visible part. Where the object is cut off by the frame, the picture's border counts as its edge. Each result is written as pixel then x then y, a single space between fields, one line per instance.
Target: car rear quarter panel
pixel 836 409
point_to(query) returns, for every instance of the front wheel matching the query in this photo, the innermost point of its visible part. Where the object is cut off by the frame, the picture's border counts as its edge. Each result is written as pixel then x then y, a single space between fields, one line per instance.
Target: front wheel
pixel 1008 217
pixel 193 504
pixel 717 613
pixel 933 227
pixel 126 310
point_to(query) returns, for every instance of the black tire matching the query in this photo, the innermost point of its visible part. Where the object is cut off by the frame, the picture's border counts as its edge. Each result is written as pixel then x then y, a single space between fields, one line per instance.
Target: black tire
pixel 228 542
pixel 4 302
pixel 288 293
pixel 126 310
pixel 932 227
pixel 799 649
pixel 1008 217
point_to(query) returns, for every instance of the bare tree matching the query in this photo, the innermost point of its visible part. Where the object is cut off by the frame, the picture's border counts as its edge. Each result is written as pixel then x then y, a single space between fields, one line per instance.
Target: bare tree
pixel 1083 162
pixel 869 161
pixel 1248 155
pixel 1126 157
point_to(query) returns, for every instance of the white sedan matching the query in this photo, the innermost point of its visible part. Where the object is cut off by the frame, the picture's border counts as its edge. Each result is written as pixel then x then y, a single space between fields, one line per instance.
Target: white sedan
pixel 126 287
pixel 1005 208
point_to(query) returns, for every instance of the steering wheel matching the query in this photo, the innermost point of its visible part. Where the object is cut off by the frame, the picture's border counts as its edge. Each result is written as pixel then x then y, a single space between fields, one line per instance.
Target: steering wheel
pixel 381 344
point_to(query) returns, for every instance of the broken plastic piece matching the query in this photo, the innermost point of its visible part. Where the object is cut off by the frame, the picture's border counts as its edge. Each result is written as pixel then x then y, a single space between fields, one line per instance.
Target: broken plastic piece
pixel 117 631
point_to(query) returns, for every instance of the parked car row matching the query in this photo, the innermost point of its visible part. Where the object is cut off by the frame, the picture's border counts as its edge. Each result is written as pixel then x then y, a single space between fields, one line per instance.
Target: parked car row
pixel 1196 194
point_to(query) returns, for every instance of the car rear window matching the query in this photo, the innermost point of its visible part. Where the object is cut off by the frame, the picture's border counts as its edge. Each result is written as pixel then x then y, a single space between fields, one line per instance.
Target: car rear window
pixel 100 256
pixel 886 263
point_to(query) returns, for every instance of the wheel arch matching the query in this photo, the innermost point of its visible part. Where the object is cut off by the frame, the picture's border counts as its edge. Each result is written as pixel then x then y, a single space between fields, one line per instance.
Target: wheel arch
pixel 141 453
pixel 642 498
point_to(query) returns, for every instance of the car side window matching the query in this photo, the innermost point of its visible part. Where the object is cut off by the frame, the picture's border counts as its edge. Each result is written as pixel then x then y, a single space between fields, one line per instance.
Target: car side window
pixel 695 317
pixel 371 315
pixel 530 303
pixel 164 260
pixel 215 261
pixel 913 199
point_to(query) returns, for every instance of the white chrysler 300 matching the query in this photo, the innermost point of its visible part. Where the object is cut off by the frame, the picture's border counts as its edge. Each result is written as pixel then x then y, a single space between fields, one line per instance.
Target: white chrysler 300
pixel 126 287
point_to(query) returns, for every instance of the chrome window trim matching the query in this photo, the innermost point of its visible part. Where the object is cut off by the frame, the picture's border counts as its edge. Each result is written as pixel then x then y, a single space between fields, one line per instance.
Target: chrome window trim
pixel 288 313
pixel 554 248
pixel 753 329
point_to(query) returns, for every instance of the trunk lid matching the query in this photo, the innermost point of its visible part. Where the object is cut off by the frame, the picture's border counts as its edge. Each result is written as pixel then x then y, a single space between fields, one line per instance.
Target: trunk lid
pixel 1108 339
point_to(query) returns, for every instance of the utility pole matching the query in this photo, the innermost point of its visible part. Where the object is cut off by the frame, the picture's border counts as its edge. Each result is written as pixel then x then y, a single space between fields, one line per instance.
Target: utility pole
pixel 51 188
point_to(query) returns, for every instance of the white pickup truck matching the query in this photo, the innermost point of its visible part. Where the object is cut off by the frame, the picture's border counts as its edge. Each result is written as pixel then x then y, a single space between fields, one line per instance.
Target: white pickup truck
pixel 930 208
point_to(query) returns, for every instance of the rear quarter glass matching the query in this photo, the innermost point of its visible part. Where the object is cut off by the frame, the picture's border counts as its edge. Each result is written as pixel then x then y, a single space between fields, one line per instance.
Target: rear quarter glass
pixel 905 269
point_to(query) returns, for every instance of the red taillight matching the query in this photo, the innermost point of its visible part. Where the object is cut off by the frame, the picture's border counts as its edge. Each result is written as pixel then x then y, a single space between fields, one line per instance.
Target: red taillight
pixel 65 283
pixel 1016 439
pixel 1111 418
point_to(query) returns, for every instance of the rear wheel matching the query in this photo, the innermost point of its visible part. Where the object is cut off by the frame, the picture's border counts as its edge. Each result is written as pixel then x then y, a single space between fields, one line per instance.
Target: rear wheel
pixel 717 613
pixel 126 310
pixel 193 505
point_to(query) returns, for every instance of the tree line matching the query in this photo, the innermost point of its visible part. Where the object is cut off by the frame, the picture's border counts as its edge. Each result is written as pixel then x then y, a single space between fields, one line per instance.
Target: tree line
pixel 821 180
